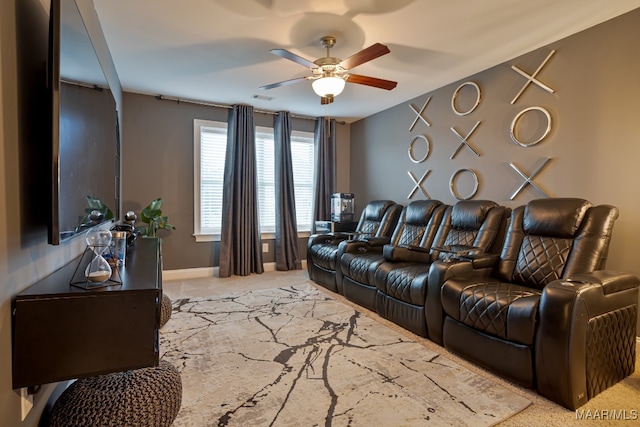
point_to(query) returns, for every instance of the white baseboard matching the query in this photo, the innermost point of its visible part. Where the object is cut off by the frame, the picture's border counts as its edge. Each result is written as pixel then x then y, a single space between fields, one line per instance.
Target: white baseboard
pixel 190 273
pixel 203 272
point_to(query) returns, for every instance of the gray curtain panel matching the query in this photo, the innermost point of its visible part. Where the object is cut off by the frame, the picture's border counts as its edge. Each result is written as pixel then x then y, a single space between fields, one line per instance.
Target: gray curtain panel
pixel 325 172
pixel 240 242
pixel 286 248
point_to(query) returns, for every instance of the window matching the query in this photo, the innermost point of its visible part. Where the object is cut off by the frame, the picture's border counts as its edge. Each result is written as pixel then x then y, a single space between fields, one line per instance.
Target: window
pixel 210 147
pixel 265 161
pixel 210 142
pixel 303 160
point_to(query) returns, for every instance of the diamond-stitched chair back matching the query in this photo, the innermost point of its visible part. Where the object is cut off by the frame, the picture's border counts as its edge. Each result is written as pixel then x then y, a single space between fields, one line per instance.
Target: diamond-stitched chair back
pixel 378 218
pixel 418 223
pixel 549 239
pixel 472 223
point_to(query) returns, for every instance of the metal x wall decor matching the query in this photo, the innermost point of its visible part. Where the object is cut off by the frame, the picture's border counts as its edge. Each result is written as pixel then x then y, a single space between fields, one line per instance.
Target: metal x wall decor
pixel 419 114
pixel 528 179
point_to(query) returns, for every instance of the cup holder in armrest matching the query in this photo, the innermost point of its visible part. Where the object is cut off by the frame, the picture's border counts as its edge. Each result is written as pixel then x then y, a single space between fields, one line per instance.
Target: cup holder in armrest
pixel 418 249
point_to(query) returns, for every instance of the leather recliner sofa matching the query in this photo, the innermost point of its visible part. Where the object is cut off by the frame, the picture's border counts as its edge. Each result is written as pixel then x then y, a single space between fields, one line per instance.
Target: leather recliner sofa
pixel 378 220
pixel 401 279
pixel 543 313
pixel 417 226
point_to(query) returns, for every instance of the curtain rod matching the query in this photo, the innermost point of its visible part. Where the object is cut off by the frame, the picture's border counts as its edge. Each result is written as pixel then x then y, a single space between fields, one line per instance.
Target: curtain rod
pixel 227 106
pixel 213 104
pixel 82 84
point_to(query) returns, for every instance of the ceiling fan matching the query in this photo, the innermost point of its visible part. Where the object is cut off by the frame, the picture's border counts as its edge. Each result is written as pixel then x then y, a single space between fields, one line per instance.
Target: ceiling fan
pixel 329 74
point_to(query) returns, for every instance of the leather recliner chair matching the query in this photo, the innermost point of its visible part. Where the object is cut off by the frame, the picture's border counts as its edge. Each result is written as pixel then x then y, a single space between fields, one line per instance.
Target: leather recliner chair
pixel 544 314
pixel 401 280
pixel 417 226
pixel 378 219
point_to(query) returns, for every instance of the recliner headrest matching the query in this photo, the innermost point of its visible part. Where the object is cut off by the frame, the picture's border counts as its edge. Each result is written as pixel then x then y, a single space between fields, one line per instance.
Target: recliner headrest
pixel 556 217
pixel 470 214
pixel 374 211
pixel 419 212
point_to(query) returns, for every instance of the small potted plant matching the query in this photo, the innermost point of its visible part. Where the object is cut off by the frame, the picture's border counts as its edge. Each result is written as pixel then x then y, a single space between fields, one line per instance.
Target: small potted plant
pixel 152 216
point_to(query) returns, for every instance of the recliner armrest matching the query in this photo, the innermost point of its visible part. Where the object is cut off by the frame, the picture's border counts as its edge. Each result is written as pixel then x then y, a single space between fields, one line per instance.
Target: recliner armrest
pixel 481 260
pixel 571 310
pixel 331 238
pixel 406 254
pixel 376 241
pixel 358 246
pixel 610 281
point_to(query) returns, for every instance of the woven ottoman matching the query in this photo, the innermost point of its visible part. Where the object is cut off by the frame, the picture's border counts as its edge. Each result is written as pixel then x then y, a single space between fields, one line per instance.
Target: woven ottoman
pixel 165 310
pixel 146 397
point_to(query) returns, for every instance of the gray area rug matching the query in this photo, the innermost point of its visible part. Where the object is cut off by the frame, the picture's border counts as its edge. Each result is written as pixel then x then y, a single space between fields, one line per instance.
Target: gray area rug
pixel 295 357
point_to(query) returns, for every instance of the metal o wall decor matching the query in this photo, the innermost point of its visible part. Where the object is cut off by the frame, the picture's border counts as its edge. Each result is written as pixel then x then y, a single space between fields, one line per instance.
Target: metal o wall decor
pixel 452 184
pixel 516 120
pixel 455 96
pixel 426 154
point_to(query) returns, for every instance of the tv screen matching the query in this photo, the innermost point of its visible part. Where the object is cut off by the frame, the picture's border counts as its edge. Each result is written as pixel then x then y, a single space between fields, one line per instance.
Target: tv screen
pixel 85 140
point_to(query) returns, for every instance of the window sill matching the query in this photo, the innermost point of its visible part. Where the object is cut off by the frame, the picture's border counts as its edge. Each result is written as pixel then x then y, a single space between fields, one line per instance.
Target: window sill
pixel 264 236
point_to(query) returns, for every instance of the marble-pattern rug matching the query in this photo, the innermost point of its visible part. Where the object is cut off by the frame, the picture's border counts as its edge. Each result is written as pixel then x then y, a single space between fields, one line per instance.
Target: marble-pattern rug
pixel 293 356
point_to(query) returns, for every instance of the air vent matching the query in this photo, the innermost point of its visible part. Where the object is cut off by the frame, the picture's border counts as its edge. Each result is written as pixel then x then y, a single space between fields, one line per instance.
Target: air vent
pixel 262 97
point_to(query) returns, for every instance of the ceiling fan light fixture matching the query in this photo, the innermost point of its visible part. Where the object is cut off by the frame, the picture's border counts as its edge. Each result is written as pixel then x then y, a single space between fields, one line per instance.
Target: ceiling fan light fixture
pixel 328 86
pixel 329 74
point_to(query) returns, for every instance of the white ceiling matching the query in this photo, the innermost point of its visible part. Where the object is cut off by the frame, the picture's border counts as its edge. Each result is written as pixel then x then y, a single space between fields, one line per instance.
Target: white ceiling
pixel 218 50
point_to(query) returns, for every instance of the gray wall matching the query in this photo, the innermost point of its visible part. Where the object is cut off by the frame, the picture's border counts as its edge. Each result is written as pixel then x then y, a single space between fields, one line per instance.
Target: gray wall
pixel 594 142
pixel 158 162
pixel 25 256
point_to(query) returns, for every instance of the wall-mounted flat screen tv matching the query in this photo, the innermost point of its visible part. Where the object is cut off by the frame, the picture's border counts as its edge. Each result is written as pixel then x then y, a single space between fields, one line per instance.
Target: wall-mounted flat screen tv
pixel 85 134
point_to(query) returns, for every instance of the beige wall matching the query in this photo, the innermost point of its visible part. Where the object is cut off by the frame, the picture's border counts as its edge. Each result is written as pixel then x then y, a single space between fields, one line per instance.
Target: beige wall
pixel 594 141
pixel 158 162
pixel 25 256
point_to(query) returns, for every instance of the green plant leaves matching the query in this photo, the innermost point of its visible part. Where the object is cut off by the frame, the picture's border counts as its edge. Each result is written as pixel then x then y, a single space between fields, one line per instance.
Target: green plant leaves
pixel 152 215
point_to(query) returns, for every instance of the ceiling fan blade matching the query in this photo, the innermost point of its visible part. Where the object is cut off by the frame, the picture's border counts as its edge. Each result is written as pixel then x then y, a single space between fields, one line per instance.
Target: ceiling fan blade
pixel 371 81
pixel 324 100
pixel 284 83
pixel 282 53
pixel 365 55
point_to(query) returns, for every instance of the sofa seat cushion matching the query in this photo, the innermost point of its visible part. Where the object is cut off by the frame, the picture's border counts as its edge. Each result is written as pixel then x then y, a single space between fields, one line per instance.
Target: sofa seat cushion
pixel 356 266
pixel 403 281
pixel 502 310
pixel 324 255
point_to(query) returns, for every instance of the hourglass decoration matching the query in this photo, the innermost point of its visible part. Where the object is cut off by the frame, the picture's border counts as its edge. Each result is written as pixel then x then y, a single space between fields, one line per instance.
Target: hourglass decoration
pixel 98 271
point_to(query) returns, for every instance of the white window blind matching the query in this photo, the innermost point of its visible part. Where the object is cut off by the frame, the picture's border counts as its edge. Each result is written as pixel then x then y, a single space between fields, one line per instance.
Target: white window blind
pixel 302 158
pixel 265 162
pixel 210 142
pixel 210 164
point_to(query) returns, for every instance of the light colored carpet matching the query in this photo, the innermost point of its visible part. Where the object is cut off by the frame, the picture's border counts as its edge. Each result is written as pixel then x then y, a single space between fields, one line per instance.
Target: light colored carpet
pixel 624 397
pixel 295 356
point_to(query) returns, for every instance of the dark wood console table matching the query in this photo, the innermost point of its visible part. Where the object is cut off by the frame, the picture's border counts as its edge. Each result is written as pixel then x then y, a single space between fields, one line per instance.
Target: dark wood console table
pixel 63 332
